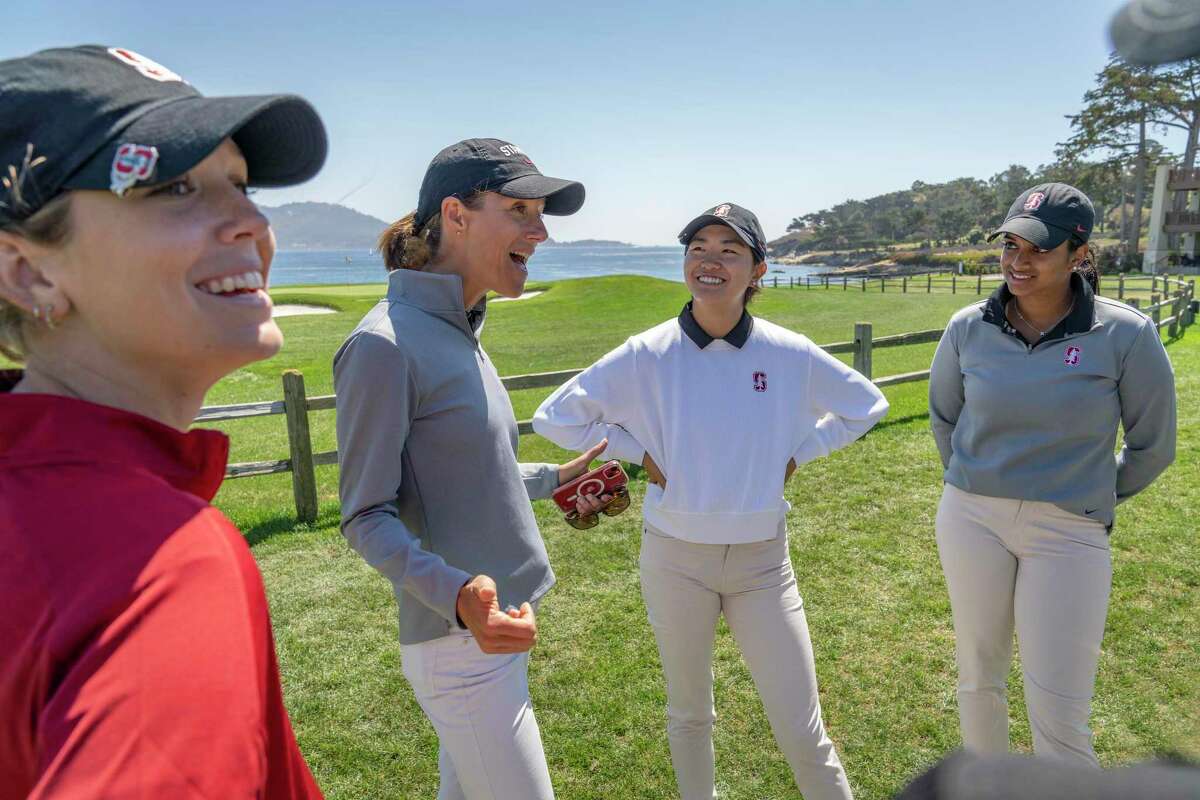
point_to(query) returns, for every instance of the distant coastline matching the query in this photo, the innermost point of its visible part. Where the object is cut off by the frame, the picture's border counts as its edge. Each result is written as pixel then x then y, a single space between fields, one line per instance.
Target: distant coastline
pixel 300 247
pixel 587 243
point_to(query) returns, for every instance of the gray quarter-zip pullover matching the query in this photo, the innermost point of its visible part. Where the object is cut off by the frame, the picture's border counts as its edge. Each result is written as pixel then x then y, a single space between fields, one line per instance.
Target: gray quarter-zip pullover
pixel 431 490
pixel 1039 422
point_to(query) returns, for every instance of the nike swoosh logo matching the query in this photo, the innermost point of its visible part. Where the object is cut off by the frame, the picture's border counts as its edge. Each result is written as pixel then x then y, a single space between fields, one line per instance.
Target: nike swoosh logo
pixel 1090 511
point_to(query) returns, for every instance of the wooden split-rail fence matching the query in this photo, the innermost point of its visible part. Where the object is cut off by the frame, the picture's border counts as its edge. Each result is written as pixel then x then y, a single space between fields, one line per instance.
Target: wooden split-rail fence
pixel 295 406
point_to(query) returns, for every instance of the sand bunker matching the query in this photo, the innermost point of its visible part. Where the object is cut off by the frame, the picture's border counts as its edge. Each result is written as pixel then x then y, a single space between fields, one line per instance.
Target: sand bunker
pixel 295 309
pixel 524 296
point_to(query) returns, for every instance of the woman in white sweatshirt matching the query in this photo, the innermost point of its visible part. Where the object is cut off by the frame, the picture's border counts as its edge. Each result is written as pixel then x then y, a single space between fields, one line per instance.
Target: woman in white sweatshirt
pixel 720 407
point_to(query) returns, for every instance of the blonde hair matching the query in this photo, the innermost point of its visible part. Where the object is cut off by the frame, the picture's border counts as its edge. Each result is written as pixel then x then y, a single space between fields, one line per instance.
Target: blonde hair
pixel 405 246
pixel 50 225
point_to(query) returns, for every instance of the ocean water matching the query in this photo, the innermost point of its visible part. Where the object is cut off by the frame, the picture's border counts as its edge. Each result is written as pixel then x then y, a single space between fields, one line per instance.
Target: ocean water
pixel 294 267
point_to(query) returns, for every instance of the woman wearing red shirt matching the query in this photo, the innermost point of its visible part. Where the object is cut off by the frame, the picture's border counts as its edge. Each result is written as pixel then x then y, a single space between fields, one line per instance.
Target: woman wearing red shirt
pixel 136 657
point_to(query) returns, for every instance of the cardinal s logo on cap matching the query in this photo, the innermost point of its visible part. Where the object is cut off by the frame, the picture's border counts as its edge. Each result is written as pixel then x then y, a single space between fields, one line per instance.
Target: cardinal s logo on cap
pixel 721 211
pixel 1035 201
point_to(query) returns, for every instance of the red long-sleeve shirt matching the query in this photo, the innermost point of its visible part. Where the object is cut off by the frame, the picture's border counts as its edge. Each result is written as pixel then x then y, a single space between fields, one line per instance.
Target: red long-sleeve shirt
pixel 136 657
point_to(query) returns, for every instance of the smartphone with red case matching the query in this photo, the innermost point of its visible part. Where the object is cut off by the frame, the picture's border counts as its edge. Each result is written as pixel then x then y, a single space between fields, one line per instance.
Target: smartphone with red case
pixel 608 478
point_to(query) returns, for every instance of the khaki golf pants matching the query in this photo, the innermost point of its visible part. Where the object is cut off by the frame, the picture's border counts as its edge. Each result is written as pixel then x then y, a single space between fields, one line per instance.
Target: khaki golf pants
pixel 1046 572
pixel 490 747
pixel 686 587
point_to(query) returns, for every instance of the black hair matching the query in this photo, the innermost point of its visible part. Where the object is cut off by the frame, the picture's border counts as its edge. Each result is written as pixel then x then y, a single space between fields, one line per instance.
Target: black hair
pixel 1086 268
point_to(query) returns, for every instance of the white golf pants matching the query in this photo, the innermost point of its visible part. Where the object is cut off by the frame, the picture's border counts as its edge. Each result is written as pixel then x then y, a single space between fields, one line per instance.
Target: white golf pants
pixel 686 587
pixel 490 746
pixel 1047 572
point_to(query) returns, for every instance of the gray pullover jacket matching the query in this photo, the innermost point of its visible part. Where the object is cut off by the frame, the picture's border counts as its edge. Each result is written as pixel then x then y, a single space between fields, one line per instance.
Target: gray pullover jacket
pixel 431 490
pixel 1040 422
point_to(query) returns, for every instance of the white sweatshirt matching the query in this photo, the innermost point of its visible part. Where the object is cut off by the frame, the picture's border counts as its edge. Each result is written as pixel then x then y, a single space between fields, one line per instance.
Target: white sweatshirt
pixel 721 421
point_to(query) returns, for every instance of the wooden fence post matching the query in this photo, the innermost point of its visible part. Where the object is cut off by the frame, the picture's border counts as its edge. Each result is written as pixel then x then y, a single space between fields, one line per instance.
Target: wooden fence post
pixel 826 281
pixel 928 283
pixel 1156 315
pixel 1121 286
pixel 776 282
pixel 904 285
pixel 845 283
pixel 864 284
pixel 883 284
pixel 1176 310
pixel 1134 302
pixel 304 479
pixel 862 348
pixel 979 283
pixel 953 283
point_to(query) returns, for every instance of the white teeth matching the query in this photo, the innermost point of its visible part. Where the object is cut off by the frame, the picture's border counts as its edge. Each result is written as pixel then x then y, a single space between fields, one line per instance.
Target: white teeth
pixel 710 280
pixel 245 281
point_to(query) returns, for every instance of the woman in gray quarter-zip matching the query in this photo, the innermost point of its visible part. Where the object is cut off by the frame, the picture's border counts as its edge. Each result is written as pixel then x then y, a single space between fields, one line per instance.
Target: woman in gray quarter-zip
pixel 432 494
pixel 1026 393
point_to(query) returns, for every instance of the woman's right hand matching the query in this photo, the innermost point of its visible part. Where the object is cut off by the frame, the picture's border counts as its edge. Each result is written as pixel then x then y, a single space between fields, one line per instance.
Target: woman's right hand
pixel 653 473
pixel 495 631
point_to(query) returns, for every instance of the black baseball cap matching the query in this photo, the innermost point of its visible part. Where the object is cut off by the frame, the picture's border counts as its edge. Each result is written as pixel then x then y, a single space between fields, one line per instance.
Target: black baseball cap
pixel 741 220
pixel 96 117
pixel 1048 214
pixel 1157 31
pixel 492 165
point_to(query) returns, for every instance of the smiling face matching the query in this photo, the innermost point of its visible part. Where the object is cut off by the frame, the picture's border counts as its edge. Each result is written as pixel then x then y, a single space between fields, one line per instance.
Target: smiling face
pixel 494 242
pixel 718 267
pixel 170 277
pixel 1029 270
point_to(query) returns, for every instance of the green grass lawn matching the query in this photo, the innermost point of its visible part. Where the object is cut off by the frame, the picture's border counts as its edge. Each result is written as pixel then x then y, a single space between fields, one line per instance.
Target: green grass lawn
pixel 861 532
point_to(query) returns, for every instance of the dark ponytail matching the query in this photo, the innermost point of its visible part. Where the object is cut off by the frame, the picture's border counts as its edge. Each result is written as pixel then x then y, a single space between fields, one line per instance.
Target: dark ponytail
pixel 1086 268
pixel 404 245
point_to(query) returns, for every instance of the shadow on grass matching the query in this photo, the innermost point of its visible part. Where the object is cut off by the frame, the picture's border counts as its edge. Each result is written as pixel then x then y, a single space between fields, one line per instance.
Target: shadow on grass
pixel 287 523
pixel 888 422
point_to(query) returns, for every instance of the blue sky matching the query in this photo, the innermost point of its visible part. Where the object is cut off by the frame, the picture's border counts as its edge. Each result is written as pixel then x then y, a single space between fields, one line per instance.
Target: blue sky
pixel 661 109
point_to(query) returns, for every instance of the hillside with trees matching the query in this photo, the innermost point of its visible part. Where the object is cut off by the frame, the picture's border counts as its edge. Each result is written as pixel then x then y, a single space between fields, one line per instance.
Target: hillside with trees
pixel 1111 155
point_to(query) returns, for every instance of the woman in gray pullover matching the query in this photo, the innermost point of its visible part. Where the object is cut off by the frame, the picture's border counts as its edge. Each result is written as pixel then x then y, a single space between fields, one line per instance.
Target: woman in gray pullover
pixel 432 494
pixel 1026 392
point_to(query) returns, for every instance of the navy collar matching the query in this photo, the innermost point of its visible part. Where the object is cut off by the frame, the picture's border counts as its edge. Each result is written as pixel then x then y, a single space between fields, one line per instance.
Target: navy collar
pixel 1080 320
pixel 736 337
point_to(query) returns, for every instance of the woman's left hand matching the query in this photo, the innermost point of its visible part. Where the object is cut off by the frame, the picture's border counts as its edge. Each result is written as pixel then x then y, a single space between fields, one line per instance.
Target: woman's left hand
pixel 573 469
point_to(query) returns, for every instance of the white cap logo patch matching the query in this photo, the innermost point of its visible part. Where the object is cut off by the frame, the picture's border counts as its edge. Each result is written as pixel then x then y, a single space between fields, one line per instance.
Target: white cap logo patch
pixel 132 163
pixel 148 68
pixel 721 210
pixel 1071 357
pixel 1034 202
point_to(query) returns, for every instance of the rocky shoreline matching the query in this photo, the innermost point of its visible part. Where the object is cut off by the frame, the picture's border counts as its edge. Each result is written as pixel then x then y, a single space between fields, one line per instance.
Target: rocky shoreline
pixel 854 270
